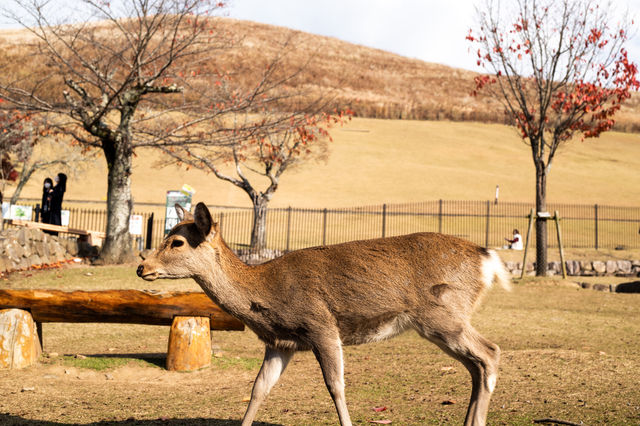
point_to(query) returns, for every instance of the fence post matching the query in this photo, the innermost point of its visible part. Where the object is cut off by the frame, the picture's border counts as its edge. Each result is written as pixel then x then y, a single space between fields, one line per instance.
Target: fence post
pixel 37 209
pixel 147 244
pixel 324 227
pixel 288 227
pixel 486 239
pixel 384 220
pixel 595 213
pixel 440 216
pixel 221 221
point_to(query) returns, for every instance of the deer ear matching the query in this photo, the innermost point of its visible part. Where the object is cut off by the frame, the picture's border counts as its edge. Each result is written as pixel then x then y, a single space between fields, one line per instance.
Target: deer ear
pixel 203 219
pixel 182 213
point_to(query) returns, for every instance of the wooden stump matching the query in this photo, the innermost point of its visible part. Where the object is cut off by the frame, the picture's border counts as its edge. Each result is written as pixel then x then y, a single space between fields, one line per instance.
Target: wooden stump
pixel 19 343
pixel 189 344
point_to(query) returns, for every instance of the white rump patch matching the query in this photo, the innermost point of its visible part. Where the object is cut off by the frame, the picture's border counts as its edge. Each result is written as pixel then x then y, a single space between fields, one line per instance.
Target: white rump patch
pixel 493 268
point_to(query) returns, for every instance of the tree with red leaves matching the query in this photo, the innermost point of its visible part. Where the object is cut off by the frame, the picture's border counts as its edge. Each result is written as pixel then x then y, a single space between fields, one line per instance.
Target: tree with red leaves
pixel 560 69
pixel 13 134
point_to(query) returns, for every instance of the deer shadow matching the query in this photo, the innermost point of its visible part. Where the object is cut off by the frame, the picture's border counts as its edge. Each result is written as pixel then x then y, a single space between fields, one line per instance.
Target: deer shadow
pixel 10 420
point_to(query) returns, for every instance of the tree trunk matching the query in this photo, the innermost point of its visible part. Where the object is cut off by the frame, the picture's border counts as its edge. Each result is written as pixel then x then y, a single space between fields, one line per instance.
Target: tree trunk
pixel 541 223
pixel 259 230
pixel 117 247
pixel 25 175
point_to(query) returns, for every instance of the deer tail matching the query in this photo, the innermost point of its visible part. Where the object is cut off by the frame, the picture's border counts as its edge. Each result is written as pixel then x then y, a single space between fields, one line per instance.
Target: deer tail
pixel 493 270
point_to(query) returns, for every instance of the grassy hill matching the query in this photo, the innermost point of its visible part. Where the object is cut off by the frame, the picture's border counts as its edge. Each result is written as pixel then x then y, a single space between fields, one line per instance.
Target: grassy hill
pixel 375 161
pixel 372 82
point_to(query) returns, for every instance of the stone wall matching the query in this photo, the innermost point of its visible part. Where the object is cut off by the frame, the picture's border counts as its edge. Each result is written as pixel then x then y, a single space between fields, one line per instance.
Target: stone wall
pixel 583 268
pixel 23 248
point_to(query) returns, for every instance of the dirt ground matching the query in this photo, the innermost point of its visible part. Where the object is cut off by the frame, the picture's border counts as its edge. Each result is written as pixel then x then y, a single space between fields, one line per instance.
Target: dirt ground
pixel 567 353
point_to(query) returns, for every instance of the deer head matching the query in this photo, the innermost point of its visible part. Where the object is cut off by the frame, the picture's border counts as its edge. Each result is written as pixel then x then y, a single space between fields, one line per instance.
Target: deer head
pixel 185 249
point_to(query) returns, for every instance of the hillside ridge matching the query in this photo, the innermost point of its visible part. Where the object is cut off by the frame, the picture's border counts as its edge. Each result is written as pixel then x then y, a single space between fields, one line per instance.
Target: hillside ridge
pixel 372 82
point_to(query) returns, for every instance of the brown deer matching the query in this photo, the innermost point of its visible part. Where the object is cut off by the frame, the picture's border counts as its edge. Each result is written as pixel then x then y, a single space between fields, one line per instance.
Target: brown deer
pixel 322 298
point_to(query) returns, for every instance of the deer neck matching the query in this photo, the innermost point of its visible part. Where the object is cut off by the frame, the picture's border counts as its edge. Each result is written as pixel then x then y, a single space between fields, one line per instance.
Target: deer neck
pixel 226 279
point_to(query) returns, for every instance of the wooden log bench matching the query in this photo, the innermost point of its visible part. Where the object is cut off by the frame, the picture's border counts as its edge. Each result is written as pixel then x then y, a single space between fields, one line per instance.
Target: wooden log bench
pixel 191 316
pixel 94 238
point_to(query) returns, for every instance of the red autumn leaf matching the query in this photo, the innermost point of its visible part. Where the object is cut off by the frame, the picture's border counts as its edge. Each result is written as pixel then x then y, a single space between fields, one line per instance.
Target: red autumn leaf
pixel 381 422
pixel 379 409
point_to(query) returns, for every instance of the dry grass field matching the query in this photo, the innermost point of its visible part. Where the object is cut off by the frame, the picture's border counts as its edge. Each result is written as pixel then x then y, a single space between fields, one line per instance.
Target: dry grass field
pixel 375 161
pixel 567 354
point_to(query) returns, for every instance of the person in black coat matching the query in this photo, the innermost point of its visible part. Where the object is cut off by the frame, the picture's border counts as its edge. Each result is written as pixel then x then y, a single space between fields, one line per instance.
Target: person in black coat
pixel 45 206
pixel 56 198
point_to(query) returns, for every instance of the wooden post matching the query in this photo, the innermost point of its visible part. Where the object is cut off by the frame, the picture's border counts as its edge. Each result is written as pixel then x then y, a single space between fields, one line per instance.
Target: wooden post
pixel 149 239
pixel 556 217
pixel 19 343
pixel 189 344
pixel 526 243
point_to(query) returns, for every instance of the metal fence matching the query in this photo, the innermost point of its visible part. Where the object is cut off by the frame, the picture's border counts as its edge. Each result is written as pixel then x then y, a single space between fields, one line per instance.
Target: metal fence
pixel 483 222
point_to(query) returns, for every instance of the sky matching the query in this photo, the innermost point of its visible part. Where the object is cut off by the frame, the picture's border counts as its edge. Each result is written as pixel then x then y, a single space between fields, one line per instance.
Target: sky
pixel 431 30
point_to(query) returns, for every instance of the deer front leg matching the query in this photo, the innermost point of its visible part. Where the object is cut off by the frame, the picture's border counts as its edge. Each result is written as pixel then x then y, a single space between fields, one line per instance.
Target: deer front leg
pixel 329 355
pixel 275 362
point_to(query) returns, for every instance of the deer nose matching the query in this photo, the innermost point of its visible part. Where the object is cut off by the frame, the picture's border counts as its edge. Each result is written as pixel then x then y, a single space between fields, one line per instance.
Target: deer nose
pixel 139 271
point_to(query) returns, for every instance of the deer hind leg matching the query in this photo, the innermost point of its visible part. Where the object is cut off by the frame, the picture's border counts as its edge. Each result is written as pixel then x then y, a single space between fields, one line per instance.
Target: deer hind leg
pixel 274 364
pixel 329 356
pixel 478 355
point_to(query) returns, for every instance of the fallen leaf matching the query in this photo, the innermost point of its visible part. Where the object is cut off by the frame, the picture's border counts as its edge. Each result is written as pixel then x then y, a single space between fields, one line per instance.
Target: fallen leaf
pixel 446 369
pixel 379 409
pixel 448 402
pixel 380 422
pixel 246 399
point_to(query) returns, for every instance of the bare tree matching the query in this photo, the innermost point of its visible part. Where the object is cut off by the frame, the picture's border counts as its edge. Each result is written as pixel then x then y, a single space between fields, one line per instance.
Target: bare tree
pixel 110 78
pixel 279 142
pixel 559 67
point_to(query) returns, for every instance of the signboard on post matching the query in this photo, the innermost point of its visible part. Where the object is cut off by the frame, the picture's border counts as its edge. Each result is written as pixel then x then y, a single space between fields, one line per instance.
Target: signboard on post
pixel 64 217
pixel 20 212
pixel 135 224
pixel 183 198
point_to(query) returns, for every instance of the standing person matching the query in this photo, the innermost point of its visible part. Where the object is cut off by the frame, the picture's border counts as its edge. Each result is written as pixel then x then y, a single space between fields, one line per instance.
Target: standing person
pixel 56 198
pixel 45 206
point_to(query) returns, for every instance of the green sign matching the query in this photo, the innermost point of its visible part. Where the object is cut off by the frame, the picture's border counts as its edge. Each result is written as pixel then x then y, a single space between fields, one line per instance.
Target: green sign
pixel 171 216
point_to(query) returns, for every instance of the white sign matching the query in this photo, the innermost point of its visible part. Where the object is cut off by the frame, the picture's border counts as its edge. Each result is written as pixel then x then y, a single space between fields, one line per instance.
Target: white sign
pixel 6 210
pixel 135 224
pixel 64 217
pixel 21 212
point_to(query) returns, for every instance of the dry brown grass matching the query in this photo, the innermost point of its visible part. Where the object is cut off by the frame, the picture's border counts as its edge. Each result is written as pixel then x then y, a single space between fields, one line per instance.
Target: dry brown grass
pixel 397 161
pixel 374 83
pixel 567 353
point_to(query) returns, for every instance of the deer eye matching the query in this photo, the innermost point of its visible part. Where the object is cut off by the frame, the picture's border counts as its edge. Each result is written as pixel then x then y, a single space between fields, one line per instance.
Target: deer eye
pixel 177 243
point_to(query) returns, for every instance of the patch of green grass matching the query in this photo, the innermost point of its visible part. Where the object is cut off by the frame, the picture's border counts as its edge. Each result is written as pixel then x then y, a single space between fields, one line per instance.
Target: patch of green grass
pixel 102 363
pixel 249 364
